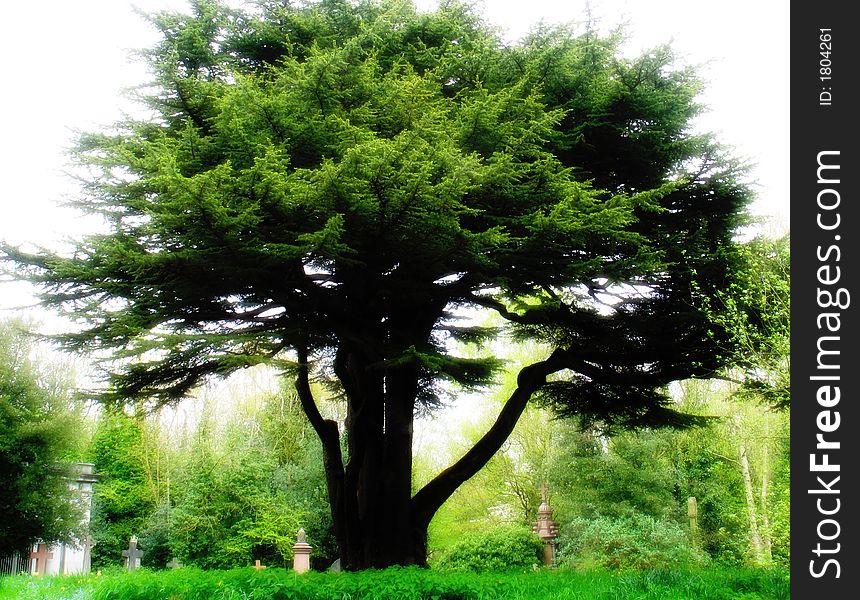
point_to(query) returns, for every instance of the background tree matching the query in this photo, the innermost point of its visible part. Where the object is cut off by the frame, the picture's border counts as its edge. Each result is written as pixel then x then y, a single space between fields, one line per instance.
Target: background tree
pixel 244 486
pixel 622 498
pixel 755 310
pixel 323 186
pixel 738 470
pixel 40 435
pixel 123 498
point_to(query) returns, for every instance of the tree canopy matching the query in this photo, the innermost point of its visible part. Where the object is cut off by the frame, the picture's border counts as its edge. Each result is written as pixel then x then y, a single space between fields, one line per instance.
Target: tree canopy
pixel 331 187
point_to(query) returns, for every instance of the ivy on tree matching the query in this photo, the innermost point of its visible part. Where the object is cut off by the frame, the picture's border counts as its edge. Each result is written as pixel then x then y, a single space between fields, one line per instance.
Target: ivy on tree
pixel 328 186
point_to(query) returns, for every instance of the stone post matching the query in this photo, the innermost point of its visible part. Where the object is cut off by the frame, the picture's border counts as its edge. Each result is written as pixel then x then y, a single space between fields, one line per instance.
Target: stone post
pixel 693 515
pixel 302 553
pixel 88 542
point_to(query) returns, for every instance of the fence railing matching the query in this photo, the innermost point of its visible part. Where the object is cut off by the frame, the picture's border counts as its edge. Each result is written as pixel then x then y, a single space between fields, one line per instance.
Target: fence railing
pixel 12 564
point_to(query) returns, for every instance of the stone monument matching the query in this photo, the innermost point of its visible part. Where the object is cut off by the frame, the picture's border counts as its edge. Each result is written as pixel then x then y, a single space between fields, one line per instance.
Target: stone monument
pixel 40 558
pixel 132 555
pixel 693 515
pixel 547 529
pixel 302 553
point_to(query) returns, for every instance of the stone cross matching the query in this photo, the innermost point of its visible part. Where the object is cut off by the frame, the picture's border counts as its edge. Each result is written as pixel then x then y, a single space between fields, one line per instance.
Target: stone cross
pixel 42 556
pixel 258 566
pixel 132 555
pixel 174 564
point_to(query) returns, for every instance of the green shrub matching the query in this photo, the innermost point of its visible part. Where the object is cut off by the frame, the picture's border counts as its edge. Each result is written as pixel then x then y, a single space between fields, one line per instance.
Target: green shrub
pixel 630 542
pixel 155 540
pixel 502 548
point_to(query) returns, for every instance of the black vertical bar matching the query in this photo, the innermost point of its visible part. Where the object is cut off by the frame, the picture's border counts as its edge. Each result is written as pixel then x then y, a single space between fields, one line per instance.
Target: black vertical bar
pixel 825 342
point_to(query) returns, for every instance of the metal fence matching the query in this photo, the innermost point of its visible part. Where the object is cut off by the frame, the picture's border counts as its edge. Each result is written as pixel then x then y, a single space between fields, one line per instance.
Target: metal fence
pixel 12 564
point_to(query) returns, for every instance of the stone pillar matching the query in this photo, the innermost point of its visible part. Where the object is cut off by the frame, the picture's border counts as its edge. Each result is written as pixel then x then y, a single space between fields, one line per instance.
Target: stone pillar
pixel 547 530
pixel 693 515
pixel 302 553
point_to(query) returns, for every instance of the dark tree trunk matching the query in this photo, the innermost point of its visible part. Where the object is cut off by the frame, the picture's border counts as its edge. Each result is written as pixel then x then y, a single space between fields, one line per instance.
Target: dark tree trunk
pixel 377 521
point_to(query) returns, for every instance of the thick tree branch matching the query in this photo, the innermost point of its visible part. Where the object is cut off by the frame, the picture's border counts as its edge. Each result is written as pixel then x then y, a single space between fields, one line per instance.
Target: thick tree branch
pixel 502 310
pixel 326 429
pixel 428 500
pixel 329 435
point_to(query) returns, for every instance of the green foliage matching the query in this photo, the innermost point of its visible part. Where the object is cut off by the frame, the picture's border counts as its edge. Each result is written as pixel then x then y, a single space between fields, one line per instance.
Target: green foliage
pixel 336 180
pixel 637 475
pixel 237 497
pixel 712 470
pixel 63 587
pixel 634 474
pixel 123 498
pixel 39 433
pixel 227 511
pixel 500 493
pixel 780 502
pixel 632 542
pixel 405 584
pixel 756 311
pixel 299 472
pixel 314 162
pixel 717 486
pixel 501 548
pixel 156 538
pixel 715 584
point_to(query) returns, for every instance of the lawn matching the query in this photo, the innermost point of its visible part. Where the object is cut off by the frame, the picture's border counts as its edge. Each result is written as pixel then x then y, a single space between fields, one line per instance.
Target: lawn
pixel 403 584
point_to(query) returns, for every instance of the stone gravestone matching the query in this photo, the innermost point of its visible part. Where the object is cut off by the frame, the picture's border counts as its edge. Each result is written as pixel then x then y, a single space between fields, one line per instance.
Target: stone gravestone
pixel 258 566
pixel 41 556
pixel 302 553
pixel 132 555
pixel 174 564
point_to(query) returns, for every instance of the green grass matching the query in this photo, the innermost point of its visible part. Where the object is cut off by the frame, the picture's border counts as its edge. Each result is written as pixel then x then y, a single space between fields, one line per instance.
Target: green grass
pixel 404 584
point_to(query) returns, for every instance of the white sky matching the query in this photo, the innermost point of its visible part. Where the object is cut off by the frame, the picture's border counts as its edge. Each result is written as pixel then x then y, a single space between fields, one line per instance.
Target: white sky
pixel 66 61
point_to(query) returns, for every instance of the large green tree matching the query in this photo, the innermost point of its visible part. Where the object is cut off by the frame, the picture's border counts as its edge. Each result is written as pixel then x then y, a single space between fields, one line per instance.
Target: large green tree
pixel 329 186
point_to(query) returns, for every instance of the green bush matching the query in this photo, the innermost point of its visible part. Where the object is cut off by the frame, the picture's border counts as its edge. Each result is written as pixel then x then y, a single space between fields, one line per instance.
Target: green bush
pixel 502 548
pixel 631 542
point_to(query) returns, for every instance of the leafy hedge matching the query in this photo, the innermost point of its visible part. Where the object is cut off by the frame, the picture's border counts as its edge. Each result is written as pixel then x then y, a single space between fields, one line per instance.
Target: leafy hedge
pixel 631 542
pixel 502 548
pixel 403 584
